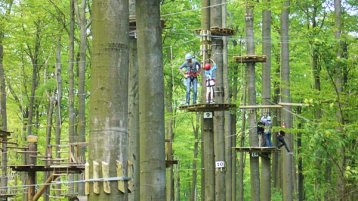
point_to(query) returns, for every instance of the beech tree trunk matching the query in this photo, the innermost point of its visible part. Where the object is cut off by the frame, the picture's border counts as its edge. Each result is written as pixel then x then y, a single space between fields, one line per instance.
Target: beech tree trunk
pixel 3 121
pixel 266 95
pixel 133 112
pixel 219 136
pixel 207 146
pixel 71 95
pixel 151 101
pixel 193 194
pixel 251 96
pixel 287 159
pixel 338 82
pixel 81 121
pixel 109 97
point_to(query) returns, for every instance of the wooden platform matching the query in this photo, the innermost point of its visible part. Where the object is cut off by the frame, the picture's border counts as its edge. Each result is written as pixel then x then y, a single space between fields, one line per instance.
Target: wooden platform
pixel 133 23
pixel 250 107
pixel 250 58
pixel 7 195
pixel 207 107
pixel 218 31
pixel 42 168
pixel 256 149
pixel 4 133
pixel 169 163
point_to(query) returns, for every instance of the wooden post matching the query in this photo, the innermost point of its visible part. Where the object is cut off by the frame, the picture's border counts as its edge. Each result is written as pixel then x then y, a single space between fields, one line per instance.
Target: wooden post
pixel 32 155
pixel 43 188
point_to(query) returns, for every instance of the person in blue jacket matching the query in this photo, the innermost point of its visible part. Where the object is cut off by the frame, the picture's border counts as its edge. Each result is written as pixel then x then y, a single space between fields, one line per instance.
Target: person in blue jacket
pixel 191 70
pixel 266 120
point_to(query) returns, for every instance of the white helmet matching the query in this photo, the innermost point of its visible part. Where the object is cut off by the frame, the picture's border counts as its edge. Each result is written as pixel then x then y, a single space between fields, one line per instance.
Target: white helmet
pixel 268 118
pixel 188 56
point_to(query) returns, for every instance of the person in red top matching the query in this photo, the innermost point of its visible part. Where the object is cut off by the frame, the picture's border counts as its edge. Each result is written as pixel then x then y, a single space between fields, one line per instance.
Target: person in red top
pixel 191 70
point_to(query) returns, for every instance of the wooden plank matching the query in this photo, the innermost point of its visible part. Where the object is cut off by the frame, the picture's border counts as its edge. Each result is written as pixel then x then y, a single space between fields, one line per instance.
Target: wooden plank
pixel 259 106
pixel 255 149
pixel 42 168
pixel 250 58
pixel 293 104
pixel 207 107
pixel 43 188
pixel 169 163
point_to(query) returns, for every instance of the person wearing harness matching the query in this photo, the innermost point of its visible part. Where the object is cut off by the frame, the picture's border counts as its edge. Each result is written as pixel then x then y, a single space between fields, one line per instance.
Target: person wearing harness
pixel 210 81
pixel 266 120
pixel 191 70
pixel 280 138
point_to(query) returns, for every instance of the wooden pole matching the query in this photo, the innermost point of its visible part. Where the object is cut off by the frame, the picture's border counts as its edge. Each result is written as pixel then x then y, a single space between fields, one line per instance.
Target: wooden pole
pixel 44 187
pixel 32 155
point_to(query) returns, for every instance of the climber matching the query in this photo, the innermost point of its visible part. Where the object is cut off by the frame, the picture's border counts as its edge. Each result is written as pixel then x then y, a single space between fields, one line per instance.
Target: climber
pixel 266 120
pixel 280 138
pixel 191 70
pixel 210 81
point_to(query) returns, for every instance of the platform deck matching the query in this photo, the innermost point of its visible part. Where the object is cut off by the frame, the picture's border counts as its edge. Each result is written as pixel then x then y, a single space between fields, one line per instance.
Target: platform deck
pixel 250 58
pixel 207 107
pixel 42 168
pixel 256 149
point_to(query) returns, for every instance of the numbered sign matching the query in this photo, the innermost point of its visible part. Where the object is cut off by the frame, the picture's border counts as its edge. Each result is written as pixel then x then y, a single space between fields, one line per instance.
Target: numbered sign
pixel 254 154
pixel 219 164
pixel 208 115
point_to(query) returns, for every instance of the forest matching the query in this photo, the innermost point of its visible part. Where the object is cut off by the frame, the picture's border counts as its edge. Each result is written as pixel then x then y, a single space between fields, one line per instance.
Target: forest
pixel 94 101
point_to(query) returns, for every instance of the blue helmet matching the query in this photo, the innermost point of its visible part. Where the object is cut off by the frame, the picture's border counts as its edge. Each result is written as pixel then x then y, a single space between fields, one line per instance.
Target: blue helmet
pixel 188 56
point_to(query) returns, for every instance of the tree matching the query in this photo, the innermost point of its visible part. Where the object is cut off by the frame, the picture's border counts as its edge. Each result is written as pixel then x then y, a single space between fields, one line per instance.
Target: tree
pixel 288 179
pixel 208 170
pixel 3 111
pixel 219 136
pixel 133 109
pixel 109 97
pixel 251 96
pixel 266 94
pixel 151 101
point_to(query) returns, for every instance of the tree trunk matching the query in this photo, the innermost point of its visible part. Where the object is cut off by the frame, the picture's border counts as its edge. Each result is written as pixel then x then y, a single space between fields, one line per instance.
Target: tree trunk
pixel 71 95
pixel 3 121
pixel 207 146
pixel 301 190
pixel 266 95
pixel 58 105
pixel 151 101
pixel 253 140
pixel 196 153
pixel 82 21
pixel 276 167
pixel 219 137
pixel 338 81
pixel 233 117
pixel 228 134
pixel 133 112
pixel 240 177
pixel 287 159
pixel 109 97
pixel 170 131
pixel 50 107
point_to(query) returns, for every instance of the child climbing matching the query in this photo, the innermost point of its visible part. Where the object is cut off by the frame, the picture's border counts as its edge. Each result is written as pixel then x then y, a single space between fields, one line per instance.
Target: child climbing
pixel 280 138
pixel 191 70
pixel 266 120
pixel 210 81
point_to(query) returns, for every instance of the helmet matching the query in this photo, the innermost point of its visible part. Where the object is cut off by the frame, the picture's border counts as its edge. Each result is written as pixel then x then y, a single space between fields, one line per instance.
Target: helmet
pixel 268 118
pixel 207 66
pixel 188 56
